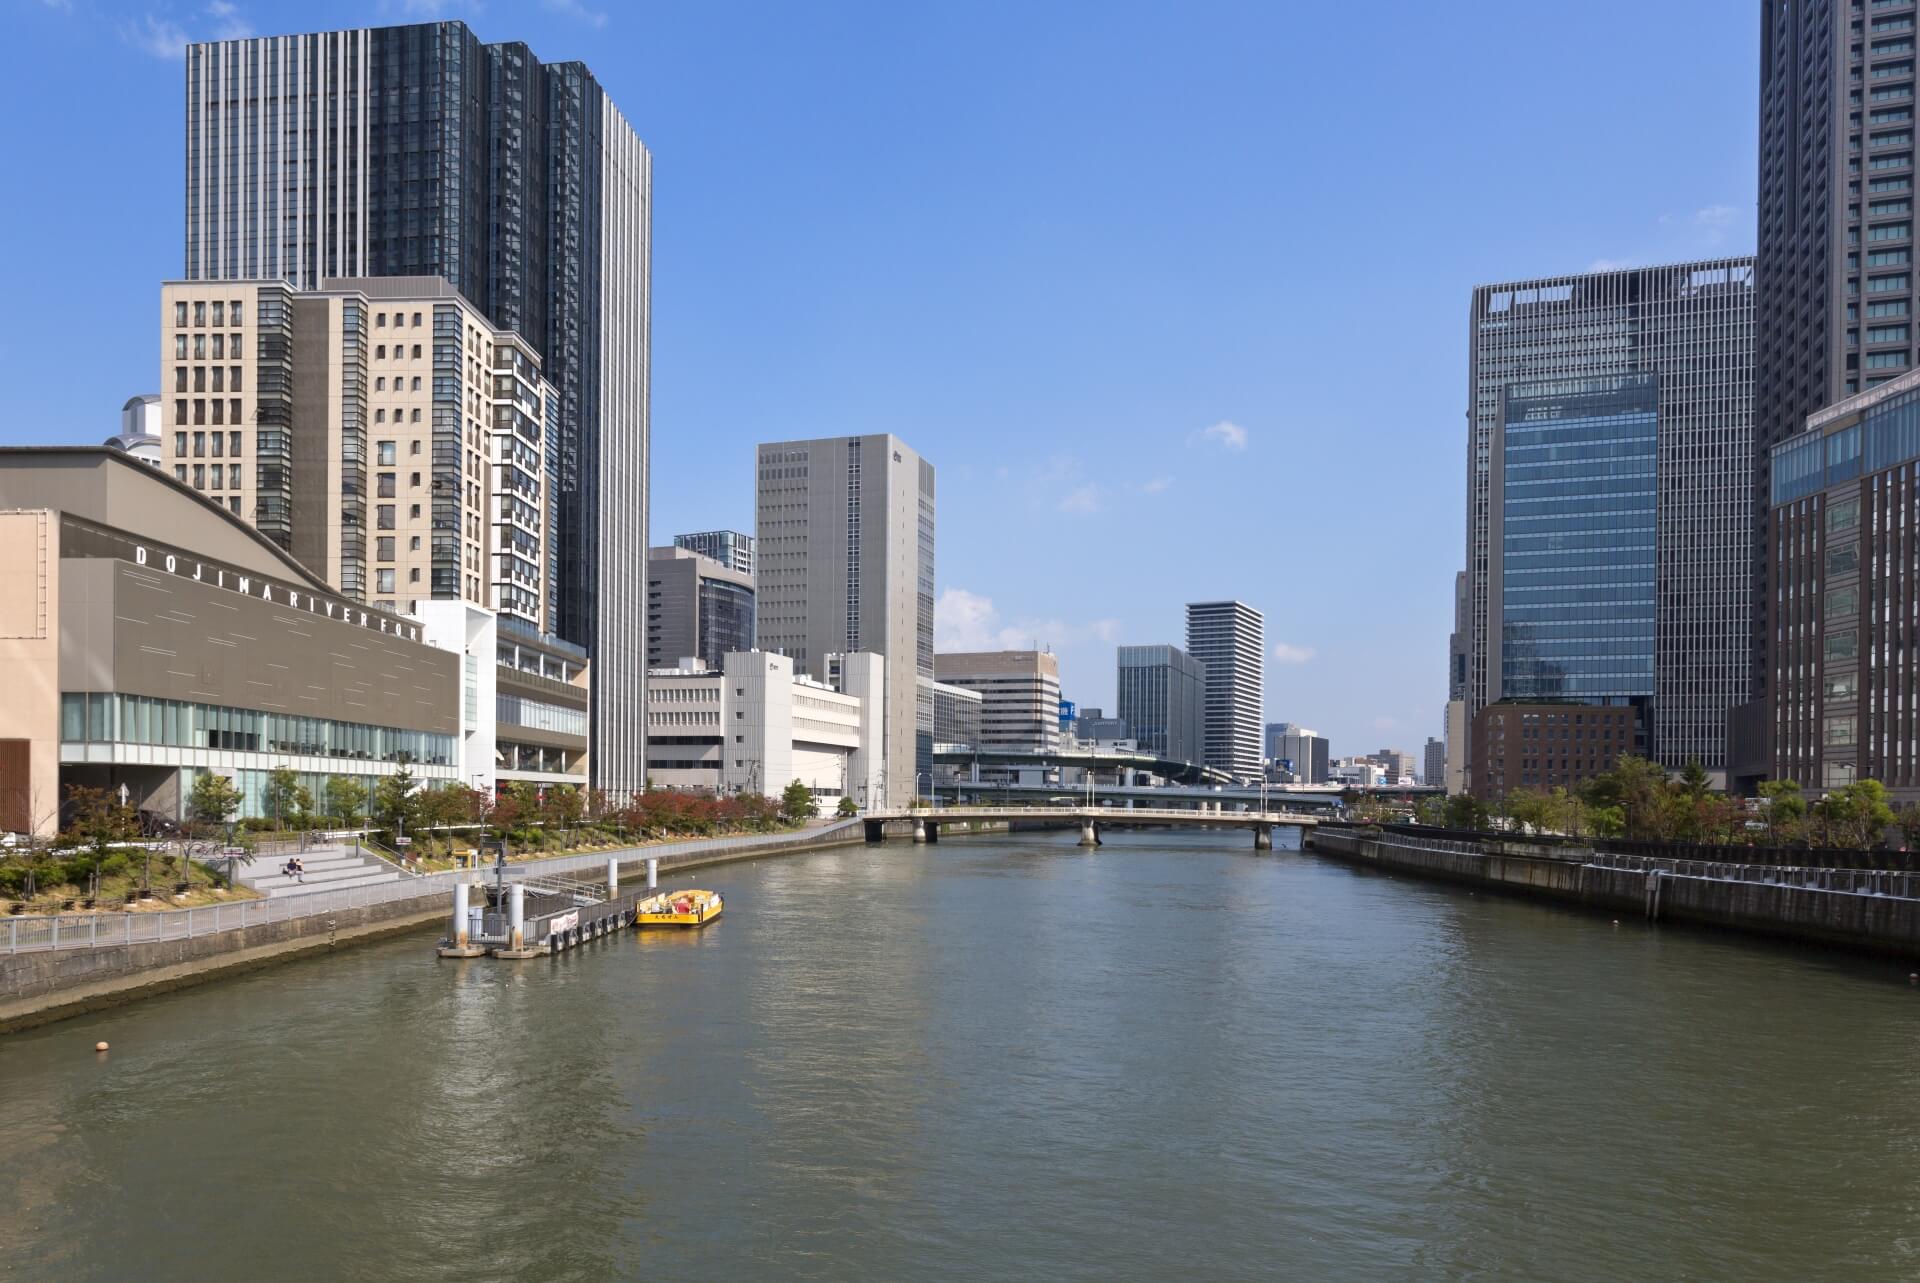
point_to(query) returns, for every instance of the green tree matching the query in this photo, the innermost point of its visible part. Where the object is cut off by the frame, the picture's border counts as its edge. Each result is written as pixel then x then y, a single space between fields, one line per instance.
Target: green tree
pixel 1855 816
pixel 564 807
pixel 100 819
pixel 346 798
pixel 798 803
pixel 394 802
pixel 214 798
pixel 1530 809
pixel 1784 809
pixel 1465 811
pixel 286 799
pixel 847 808
pixel 1640 790
pixel 1693 779
pixel 1908 818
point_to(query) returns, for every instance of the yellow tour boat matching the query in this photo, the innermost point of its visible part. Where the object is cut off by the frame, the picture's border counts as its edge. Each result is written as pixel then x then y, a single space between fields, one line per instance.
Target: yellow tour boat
pixel 678 909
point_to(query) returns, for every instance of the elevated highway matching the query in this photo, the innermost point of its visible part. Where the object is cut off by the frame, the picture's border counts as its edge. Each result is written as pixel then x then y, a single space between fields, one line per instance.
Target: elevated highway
pixel 926 822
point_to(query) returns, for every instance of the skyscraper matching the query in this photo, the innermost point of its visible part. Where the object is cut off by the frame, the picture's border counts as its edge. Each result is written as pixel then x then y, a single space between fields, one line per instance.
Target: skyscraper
pixel 1609 466
pixel 1229 639
pixel 844 543
pixel 1163 701
pixel 728 547
pixel 697 608
pixel 420 151
pixel 1019 692
pixel 1835 297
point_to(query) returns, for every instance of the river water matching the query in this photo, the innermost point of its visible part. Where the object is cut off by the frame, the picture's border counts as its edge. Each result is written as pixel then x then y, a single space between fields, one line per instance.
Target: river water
pixel 997 1059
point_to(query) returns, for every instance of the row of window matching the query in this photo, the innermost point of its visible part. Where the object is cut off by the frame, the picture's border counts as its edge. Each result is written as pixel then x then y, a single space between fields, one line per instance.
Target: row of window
pixel 224 411
pixel 99 718
pixel 223 313
pixel 224 380
pixel 222 443
pixel 223 347
pixel 221 476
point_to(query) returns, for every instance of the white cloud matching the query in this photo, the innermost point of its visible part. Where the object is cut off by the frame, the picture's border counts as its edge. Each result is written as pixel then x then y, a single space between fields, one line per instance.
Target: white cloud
pixel 1227 434
pixel 1159 485
pixel 1720 216
pixel 1285 653
pixel 1081 500
pixel 162 37
pixel 965 620
pixel 1385 723
pixel 574 9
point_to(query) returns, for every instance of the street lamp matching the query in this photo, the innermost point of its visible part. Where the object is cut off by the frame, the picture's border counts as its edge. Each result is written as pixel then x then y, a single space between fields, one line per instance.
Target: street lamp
pixel 928 776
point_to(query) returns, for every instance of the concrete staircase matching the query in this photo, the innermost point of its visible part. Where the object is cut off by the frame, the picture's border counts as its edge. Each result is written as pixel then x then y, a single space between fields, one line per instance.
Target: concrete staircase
pixel 329 868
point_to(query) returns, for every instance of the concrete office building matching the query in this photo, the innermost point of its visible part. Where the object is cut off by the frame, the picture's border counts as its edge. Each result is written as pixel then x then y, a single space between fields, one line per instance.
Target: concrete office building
pixel 1397 764
pixel 1845 687
pixel 1632 390
pixel 1833 315
pixel 728 547
pixel 755 725
pixel 1454 716
pixel 1093 726
pixel 1019 692
pixel 420 151
pixel 1163 701
pixel 696 607
pixel 1434 769
pixel 957 715
pixel 380 430
pixel 1228 638
pixel 844 544
pixel 148 636
pixel 1522 745
pixel 1301 753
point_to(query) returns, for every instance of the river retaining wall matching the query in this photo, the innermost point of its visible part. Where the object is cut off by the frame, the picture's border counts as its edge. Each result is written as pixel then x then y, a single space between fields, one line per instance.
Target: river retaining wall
pixel 1882 924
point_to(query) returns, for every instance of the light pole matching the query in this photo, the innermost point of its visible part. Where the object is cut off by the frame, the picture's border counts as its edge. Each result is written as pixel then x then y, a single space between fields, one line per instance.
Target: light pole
pixel 917 776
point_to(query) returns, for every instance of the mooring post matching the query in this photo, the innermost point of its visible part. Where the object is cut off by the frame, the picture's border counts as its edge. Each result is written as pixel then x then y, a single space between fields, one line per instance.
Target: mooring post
pixel 517 917
pixel 460 914
pixel 653 872
pixel 613 876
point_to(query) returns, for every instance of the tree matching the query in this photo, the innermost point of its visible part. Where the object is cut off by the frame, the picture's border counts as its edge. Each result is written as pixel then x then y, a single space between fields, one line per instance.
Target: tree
pixel 1465 811
pixel 346 798
pixel 564 807
pixel 100 819
pixel 1855 816
pixel 394 803
pixel 847 809
pixel 286 799
pixel 797 802
pixel 1529 809
pixel 1908 818
pixel 1784 809
pixel 1640 790
pixel 214 798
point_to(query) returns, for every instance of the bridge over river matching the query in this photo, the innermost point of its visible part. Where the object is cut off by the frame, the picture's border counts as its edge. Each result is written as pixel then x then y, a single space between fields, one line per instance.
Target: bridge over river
pixel 1091 819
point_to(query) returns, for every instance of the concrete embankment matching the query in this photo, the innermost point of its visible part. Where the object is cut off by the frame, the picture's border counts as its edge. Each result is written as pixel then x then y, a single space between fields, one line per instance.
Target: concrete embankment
pixel 1849 918
pixel 44 985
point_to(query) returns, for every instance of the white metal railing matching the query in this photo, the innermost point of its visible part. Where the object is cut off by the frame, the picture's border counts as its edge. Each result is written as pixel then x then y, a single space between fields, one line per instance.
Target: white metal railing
pixel 1881 882
pixel 93 930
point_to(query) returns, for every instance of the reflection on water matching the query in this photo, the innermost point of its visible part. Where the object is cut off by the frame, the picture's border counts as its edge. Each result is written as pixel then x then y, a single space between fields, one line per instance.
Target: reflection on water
pixel 996 1059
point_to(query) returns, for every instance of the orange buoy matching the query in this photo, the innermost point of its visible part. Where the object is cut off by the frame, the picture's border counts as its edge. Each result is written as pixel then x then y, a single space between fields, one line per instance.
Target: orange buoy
pixel 99 1046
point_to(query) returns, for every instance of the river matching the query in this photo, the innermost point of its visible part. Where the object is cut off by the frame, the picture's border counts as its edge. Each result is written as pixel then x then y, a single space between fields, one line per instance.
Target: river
pixel 997 1058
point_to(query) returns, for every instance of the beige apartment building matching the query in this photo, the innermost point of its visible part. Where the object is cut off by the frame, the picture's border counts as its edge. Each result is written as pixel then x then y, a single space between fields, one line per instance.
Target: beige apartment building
pixel 378 430
pixel 1019 693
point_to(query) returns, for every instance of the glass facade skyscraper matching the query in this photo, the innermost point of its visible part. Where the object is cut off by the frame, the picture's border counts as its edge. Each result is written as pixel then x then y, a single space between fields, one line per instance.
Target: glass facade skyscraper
pixel 1163 701
pixel 1577 538
pixel 1688 329
pixel 420 151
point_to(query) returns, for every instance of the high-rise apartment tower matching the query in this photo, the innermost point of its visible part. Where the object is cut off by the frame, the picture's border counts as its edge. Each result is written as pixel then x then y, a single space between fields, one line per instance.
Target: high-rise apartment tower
pixel 1230 639
pixel 421 151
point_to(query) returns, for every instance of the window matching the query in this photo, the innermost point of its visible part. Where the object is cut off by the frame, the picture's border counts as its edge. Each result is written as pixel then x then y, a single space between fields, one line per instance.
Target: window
pixel 380 321
pixel 180 472
pixel 219 408
pixel 380 384
pixel 199 347
pixel 199 378
pixel 199 445
pixel 219 473
pixel 413 512
pixel 233 505
pixel 199 313
pixel 1887 334
pixel 219 376
pixel 383 516
pixel 416 321
pixel 234 348
pixel 413 447
pixel 383 581
pixel 385 483
pixel 383 548
pixel 413 544
pixel 199 476
pixel 179 444
pixel 180 411
pixel 179 378
pixel 219 347
pixel 1843 686
pixel 233 315
pixel 180 314
pixel 413 575
pixel 1889 208
pixel 416 414
pixel 179 347
pixel 233 410
pixel 233 444
pixel 1842 602
pixel 380 352
pixel 416 352
pixel 413 479
pixel 1843 559
pixel 233 379
pixel 416 383
pixel 1840 732
pixel 379 416
pixel 385 452
pixel 1886 360
pixel 219 444
pixel 1897 308
pixel 199 411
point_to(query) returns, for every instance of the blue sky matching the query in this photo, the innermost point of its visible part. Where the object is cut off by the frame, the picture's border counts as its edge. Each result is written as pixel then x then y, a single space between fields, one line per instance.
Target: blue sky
pixel 1174 296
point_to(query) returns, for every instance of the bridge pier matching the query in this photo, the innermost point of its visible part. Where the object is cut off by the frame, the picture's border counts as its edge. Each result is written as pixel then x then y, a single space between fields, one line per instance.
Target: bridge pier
pixel 1088 837
pixel 1263 837
pixel 919 829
